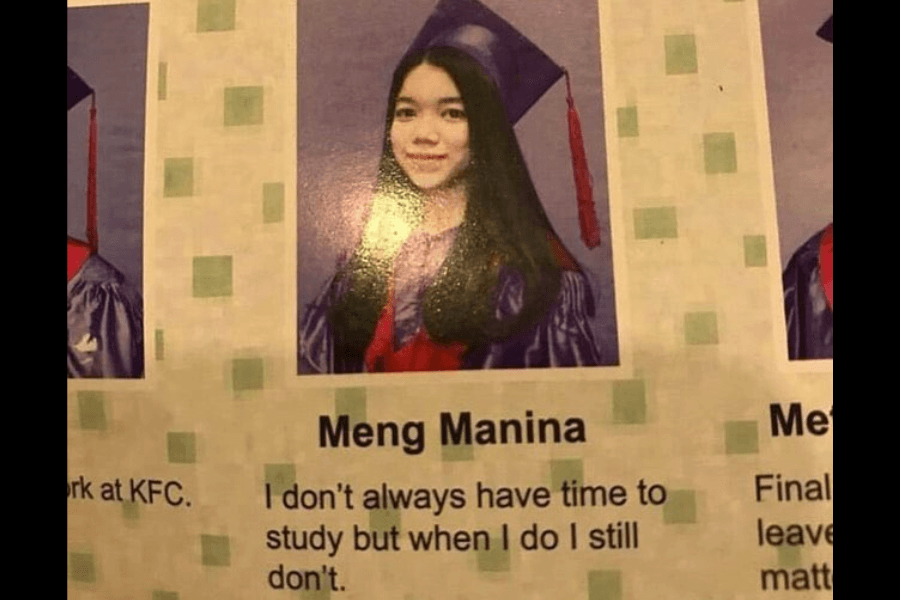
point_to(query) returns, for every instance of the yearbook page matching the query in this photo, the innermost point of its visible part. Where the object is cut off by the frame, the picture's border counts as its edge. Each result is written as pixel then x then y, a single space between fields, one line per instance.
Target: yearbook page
pixel 450 299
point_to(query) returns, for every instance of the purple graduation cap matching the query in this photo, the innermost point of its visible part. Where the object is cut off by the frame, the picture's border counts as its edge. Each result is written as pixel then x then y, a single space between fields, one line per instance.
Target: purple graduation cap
pixel 826 31
pixel 77 90
pixel 522 73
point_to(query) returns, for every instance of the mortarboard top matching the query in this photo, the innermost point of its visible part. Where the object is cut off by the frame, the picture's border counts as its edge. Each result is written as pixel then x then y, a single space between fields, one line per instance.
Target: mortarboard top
pixel 77 90
pixel 520 70
pixel 826 31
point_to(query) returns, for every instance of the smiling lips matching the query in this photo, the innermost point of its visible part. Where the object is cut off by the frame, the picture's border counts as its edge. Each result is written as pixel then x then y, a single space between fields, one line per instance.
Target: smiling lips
pixel 426 163
pixel 426 156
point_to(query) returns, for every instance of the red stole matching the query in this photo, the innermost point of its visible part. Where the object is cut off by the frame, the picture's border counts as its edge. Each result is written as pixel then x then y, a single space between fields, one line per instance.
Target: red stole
pixel 826 264
pixel 77 253
pixel 421 353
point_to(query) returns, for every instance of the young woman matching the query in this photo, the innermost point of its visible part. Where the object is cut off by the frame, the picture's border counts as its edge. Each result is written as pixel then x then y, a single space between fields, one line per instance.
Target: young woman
pixel 458 266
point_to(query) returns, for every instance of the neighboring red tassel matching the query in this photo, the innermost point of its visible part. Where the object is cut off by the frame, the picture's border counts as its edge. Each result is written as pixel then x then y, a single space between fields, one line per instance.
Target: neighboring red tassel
pixel 587 216
pixel 826 265
pixel 92 236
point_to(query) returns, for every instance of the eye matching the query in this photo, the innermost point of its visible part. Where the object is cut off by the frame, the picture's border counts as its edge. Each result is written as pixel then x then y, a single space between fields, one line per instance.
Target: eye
pixel 404 113
pixel 454 114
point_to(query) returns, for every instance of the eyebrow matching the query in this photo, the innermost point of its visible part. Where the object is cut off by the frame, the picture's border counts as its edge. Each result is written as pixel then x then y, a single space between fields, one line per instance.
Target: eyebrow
pixel 447 100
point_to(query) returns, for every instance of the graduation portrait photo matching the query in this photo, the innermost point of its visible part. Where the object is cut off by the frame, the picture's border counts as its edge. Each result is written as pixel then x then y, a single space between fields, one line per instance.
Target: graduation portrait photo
pixel 106 54
pixel 798 51
pixel 453 200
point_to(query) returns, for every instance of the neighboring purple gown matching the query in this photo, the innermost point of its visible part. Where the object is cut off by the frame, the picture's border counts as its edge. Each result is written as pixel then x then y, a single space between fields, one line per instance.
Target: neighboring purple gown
pixel 810 321
pixel 563 338
pixel 104 318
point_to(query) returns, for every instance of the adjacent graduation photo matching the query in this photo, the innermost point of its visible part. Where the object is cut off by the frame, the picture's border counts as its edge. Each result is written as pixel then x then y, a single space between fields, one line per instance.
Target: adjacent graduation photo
pixel 798 51
pixel 106 84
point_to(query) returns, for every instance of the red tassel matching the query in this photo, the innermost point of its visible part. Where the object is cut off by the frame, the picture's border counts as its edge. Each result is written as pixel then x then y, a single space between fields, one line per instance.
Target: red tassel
pixel 92 236
pixel 587 216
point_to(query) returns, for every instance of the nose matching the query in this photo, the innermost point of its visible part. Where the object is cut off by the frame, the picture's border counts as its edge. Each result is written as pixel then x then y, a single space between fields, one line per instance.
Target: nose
pixel 426 131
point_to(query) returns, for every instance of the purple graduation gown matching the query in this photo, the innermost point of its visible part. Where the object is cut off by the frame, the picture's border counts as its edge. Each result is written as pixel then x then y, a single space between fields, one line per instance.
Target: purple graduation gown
pixel 563 338
pixel 104 318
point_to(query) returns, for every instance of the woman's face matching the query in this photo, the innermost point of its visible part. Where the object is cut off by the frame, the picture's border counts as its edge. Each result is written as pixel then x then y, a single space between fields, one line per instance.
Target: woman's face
pixel 430 130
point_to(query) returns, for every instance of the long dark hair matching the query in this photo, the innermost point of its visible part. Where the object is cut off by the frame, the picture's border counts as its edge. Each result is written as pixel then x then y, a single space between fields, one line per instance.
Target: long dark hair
pixel 504 227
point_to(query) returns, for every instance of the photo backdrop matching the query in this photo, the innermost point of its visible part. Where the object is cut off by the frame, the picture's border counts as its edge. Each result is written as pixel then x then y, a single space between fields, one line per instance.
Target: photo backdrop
pixel 345 60
pixel 107 47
